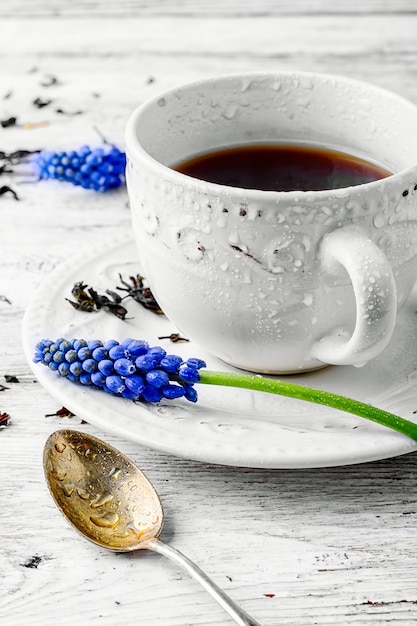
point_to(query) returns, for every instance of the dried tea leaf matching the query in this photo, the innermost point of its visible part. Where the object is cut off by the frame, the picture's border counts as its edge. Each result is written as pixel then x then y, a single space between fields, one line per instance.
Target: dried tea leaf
pixel 83 300
pixel 88 300
pixel 32 562
pixel 6 189
pixel 7 123
pixel 4 420
pixel 174 337
pixel 62 112
pixel 10 378
pixel 139 292
pixel 63 412
pixel 111 304
pixel 40 104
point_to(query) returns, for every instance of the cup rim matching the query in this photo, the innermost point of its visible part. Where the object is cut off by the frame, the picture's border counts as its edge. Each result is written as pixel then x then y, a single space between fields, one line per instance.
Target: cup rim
pixel 133 145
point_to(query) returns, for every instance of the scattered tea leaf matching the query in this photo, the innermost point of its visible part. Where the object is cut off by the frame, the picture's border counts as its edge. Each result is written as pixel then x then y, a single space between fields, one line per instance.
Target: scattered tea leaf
pixel 7 123
pixel 17 155
pixel 10 378
pixel 111 304
pixel 62 112
pixel 32 562
pixel 84 301
pixel 6 189
pixel 5 169
pixel 63 412
pixel 5 299
pixel 4 420
pixel 174 337
pixel 40 104
pixel 139 292
pixel 89 300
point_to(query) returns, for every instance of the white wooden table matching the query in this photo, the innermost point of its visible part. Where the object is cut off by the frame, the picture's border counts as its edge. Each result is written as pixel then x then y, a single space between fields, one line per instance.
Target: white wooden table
pixel 326 546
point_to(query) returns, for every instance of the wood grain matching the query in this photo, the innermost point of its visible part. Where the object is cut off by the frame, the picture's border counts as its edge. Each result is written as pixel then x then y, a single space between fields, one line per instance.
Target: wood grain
pixel 204 8
pixel 329 546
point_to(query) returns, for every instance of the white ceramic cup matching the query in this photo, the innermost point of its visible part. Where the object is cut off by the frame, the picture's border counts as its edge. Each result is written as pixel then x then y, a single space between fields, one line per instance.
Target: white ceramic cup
pixel 270 281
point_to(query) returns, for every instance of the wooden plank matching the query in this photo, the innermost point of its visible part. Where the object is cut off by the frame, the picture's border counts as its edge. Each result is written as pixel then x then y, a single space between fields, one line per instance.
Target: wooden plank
pixel 105 59
pixel 202 8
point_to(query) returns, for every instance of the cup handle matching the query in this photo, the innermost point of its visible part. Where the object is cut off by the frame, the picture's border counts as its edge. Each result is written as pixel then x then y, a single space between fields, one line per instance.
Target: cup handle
pixel 375 294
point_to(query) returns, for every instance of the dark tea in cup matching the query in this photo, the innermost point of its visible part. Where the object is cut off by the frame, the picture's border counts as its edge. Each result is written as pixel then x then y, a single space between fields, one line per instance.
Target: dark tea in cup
pixel 280 167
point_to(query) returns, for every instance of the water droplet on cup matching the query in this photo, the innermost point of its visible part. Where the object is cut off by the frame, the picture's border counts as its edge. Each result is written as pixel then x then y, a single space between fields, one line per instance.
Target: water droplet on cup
pixel 230 112
pixel 245 84
pixel 379 220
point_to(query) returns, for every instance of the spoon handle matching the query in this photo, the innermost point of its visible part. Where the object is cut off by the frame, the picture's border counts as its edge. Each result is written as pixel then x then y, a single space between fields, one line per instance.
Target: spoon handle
pixel 238 614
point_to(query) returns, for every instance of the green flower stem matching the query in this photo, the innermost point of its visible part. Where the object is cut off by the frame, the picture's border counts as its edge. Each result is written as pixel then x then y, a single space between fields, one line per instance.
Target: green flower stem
pixel 271 385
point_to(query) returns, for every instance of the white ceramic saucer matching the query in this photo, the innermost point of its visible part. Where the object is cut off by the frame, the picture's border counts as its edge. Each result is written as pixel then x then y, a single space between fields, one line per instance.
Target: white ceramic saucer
pixel 226 426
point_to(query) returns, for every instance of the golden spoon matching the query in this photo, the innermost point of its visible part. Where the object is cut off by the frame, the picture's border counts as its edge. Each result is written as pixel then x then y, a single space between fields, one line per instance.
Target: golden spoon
pixel 112 503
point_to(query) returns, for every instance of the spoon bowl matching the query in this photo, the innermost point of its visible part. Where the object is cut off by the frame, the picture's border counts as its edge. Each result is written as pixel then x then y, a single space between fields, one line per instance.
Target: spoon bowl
pixel 110 501
pixel 101 492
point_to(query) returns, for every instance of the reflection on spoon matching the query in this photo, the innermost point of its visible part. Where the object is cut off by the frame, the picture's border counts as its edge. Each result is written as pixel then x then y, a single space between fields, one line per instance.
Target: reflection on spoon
pixel 112 503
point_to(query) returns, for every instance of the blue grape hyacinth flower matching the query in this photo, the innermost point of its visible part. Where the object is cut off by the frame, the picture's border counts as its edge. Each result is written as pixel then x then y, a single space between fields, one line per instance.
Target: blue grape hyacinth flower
pixel 99 169
pixel 131 369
